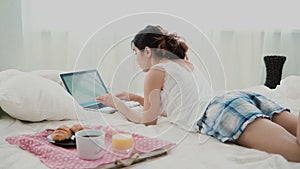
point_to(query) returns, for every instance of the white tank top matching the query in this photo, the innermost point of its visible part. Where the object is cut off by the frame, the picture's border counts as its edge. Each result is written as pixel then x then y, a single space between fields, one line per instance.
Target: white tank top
pixel 181 96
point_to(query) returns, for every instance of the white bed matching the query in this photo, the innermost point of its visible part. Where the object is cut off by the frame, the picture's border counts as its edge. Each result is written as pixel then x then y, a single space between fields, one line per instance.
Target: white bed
pixel 193 150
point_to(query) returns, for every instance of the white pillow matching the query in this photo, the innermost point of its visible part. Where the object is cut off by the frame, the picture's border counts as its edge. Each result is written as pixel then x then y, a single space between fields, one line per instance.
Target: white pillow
pixel 289 87
pixel 33 98
pixel 50 74
pixel 6 74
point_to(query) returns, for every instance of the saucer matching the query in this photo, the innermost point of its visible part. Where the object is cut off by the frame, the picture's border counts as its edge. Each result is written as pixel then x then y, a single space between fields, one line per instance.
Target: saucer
pixel 66 143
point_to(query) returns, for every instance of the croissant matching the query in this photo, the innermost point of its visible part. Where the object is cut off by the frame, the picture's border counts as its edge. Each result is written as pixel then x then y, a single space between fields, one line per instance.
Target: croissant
pixel 61 133
pixel 77 127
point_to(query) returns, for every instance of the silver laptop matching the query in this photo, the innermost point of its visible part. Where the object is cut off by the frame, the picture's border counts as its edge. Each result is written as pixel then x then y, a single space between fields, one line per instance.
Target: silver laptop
pixel 85 86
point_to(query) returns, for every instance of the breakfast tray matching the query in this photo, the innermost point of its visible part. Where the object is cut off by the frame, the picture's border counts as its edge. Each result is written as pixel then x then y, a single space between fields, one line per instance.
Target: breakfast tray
pixel 54 156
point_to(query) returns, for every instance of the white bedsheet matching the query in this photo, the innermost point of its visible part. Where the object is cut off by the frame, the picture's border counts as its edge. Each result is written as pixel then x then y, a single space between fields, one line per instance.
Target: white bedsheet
pixel 193 150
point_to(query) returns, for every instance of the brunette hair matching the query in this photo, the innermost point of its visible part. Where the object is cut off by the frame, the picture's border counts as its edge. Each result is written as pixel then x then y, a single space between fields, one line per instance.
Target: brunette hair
pixel 164 45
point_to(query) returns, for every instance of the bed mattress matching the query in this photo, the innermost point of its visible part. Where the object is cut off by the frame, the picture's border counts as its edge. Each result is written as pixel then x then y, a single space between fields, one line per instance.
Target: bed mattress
pixel 192 150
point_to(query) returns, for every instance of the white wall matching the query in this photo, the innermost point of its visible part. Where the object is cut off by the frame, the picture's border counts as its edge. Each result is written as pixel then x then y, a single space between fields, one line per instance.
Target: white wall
pixel 51 49
pixel 10 34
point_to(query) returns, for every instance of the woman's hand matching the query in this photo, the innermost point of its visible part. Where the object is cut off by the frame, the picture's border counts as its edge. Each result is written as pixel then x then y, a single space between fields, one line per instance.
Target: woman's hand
pixel 130 97
pixel 107 99
pixel 124 96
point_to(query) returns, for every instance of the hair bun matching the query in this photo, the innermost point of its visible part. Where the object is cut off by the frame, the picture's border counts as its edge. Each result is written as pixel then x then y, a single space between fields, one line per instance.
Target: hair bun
pixel 173 44
pixel 164 44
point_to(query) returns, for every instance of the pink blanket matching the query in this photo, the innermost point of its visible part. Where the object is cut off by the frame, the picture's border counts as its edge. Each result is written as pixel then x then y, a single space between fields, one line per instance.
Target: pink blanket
pixel 57 157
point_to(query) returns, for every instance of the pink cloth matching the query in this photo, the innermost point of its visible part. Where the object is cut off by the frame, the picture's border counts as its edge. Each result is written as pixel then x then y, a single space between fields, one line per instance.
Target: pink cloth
pixel 57 157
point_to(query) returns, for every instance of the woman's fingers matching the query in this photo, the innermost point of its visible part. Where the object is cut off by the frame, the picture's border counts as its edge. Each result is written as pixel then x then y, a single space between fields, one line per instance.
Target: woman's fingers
pixel 123 96
pixel 106 99
pixel 101 98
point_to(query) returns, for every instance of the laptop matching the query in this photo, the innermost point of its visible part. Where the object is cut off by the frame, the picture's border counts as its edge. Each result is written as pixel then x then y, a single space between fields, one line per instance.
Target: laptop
pixel 85 86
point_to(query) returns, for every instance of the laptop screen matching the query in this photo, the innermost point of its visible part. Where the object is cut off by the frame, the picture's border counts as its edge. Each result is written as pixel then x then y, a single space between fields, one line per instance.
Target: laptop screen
pixel 84 86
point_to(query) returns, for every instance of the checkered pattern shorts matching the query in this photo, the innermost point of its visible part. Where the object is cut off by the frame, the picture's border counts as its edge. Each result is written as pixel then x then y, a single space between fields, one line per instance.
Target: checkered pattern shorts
pixel 227 116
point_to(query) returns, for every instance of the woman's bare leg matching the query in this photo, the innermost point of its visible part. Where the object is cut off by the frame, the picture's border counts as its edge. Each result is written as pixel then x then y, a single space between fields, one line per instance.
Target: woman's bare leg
pixel 265 135
pixel 298 129
pixel 287 121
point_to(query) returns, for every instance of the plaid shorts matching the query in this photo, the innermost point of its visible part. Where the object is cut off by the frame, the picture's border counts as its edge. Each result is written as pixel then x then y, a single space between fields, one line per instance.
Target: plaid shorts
pixel 227 116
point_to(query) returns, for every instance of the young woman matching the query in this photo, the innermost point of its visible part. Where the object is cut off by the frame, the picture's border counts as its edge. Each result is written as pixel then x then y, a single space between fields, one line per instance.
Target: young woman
pixel 171 90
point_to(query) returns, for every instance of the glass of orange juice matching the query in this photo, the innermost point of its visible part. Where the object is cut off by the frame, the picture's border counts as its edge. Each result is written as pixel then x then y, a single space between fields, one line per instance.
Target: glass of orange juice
pixel 122 142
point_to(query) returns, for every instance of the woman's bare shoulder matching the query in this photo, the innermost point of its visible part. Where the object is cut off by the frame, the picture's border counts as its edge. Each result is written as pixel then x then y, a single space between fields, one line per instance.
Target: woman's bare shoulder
pixel 156 72
pixel 155 77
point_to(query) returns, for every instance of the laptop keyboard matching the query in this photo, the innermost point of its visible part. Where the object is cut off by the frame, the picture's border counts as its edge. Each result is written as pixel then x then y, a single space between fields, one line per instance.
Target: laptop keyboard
pixel 109 110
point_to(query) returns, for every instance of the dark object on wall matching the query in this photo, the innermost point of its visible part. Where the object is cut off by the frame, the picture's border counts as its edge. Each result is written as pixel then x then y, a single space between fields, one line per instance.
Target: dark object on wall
pixel 274 65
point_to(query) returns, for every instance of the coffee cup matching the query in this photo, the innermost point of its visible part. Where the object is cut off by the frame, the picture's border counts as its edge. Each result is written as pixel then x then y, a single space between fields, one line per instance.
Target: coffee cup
pixel 89 143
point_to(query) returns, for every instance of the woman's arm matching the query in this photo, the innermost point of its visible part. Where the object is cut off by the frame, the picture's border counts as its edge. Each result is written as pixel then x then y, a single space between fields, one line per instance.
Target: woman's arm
pixel 152 87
